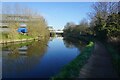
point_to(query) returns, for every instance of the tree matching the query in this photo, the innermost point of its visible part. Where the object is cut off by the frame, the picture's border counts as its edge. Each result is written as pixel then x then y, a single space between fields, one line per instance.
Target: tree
pixel 100 30
pixel 36 24
pixel 69 25
pixel 113 25
pixel 100 18
pixel 68 28
pixel 103 9
pixel 71 29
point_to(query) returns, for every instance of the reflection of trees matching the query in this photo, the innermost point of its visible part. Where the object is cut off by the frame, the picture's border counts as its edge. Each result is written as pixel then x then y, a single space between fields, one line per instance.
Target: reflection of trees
pixel 68 44
pixel 71 43
pixel 16 63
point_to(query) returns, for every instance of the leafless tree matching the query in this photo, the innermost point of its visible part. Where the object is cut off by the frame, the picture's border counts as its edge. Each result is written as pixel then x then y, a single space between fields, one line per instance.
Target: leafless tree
pixel 103 9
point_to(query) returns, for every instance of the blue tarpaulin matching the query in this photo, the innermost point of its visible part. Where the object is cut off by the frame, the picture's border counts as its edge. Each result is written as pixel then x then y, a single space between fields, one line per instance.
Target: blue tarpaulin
pixel 22 30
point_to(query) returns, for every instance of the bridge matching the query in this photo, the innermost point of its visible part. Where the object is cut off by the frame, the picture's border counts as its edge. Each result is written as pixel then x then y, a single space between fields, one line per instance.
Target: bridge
pixel 57 32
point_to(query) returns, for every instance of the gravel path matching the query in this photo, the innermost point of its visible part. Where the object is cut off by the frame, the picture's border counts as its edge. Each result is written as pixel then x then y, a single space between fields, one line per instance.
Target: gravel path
pixel 99 64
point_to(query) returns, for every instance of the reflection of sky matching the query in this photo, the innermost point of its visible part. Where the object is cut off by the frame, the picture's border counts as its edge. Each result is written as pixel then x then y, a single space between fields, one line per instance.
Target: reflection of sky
pixel 47 65
pixel 56 58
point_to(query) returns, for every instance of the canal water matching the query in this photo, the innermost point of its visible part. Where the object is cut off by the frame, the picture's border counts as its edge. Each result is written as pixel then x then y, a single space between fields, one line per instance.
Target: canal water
pixel 38 59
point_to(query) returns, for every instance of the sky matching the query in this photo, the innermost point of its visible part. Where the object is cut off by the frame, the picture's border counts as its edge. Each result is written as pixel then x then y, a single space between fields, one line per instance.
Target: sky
pixel 57 14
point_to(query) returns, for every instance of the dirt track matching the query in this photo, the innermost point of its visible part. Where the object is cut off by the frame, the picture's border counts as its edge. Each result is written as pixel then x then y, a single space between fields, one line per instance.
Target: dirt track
pixel 99 64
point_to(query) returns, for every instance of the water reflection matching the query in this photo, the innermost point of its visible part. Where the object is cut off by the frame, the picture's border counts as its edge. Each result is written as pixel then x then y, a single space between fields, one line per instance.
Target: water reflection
pixel 0 61
pixel 72 43
pixel 19 58
pixel 38 59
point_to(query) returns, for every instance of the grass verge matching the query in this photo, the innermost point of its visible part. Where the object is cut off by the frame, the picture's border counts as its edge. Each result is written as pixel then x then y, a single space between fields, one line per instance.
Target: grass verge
pixel 21 36
pixel 73 68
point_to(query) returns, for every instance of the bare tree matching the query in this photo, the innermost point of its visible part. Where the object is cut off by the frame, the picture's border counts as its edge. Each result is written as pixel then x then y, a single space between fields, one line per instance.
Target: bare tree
pixel 69 25
pixel 103 9
pixel 113 7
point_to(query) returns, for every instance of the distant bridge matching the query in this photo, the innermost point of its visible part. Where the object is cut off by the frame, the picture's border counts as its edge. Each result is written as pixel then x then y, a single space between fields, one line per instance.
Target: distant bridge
pixel 57 32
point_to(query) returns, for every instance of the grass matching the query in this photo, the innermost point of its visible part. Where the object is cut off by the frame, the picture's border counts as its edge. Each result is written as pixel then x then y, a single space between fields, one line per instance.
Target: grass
pixel 115 57
pixel 16 45
pixel 4 37
pixel 21 36
pixel 73 68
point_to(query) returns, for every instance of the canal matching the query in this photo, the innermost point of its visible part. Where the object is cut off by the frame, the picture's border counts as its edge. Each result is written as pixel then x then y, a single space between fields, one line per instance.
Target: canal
pixel 38 59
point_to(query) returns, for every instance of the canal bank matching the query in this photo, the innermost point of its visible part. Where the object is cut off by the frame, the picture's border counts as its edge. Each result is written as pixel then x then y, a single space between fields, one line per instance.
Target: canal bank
pixel 21 38
pixel 18 40
pixel 96 64
pixel 72 69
